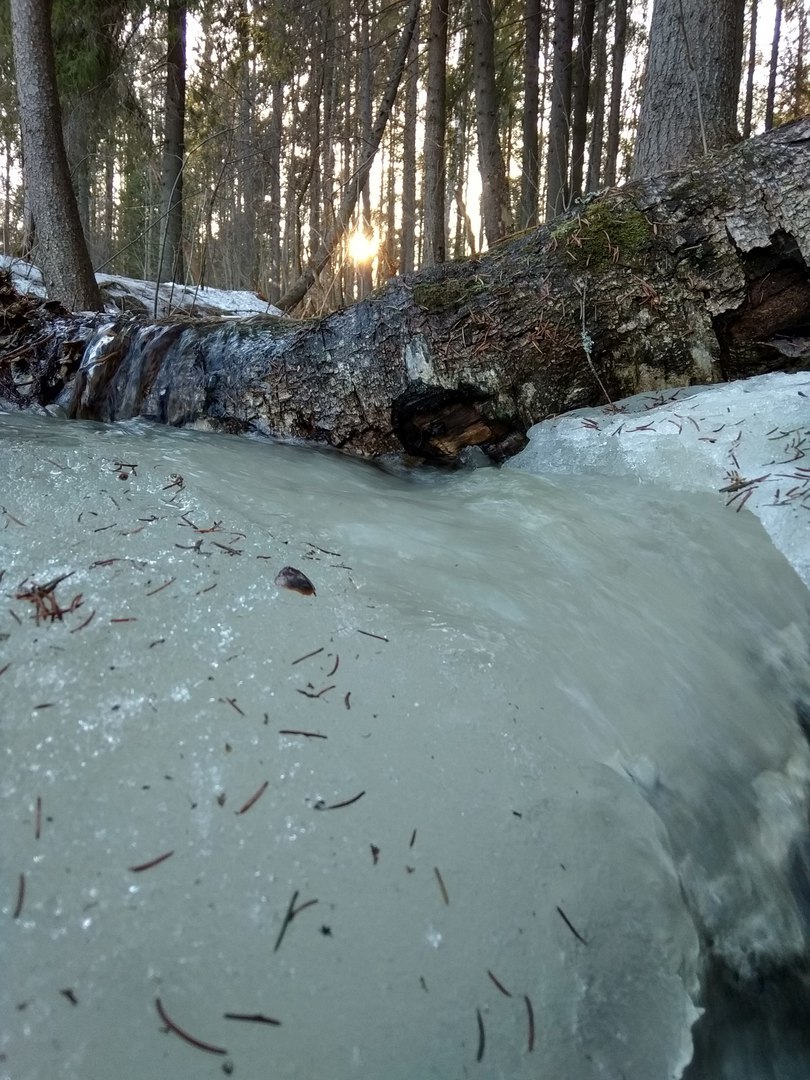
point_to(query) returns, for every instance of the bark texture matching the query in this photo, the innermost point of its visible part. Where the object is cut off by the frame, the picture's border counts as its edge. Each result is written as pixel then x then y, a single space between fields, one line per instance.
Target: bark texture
pixel 691 277
pixel 299 289
pixel 495 188
pixel 559 121
pixel 61 248
pixel 689 94
pixel 433 197
pixel 171 261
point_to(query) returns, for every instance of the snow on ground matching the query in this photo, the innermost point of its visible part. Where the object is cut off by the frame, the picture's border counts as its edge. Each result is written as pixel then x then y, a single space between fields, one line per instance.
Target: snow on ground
pixel 132 295
pixel 748 441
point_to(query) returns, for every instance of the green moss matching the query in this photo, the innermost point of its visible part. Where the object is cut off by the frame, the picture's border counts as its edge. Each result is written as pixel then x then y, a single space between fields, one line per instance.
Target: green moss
pixel 605 233
pixel 449 293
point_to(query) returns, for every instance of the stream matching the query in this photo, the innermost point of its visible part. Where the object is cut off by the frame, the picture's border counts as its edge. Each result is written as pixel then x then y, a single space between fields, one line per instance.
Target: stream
pixel 313 768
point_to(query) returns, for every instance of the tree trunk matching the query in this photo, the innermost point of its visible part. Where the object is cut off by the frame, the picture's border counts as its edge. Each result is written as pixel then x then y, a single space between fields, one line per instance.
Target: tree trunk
pixel 598 90
pixel 274 146
pixel 62 250
pixel 298 290
pixel 530 165
pixel 691 83
pixel 616 86
pixel 495 189
pixel 580 93
pixel 774 66
pixel 752 66
pixel 408 232
pixel 559 121
pixel 435 156
pixel 692 277
pixel 171 267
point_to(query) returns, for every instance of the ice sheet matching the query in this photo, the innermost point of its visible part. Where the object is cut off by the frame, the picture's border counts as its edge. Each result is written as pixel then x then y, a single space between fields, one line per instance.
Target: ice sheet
pixel 568 705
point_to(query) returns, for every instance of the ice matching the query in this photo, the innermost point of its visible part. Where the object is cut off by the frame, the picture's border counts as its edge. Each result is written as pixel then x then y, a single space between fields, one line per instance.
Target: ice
pixel 748 440
pixel 564 709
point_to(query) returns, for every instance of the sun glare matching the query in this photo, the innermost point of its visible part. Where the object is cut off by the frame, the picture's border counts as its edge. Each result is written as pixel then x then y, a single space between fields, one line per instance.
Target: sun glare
pixel 362 247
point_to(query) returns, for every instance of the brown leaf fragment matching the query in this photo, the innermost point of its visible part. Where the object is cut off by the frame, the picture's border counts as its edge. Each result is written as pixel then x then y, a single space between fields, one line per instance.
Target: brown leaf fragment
pixel 570 925
pixel 152 862
pixel 184 1035
pixel 20 897
pixel 256 1018
pixel 314 694
pixel 481 1036
pixel 499 984
pixel 290 578
pixel 257 794
pixel 320 805
pixel 304 734
pixel 530 1014
pixel 442 886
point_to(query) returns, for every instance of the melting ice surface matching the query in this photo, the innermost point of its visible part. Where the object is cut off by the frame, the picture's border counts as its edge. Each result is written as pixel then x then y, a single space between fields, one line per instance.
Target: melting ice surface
pixel 568 706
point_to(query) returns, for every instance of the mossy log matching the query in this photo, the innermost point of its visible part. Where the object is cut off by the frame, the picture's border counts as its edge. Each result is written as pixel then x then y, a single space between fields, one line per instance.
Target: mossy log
pixel 692 277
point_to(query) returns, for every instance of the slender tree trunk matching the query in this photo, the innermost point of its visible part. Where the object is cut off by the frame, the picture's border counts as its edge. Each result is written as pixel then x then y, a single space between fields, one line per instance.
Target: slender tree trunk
pixel 580 94
pixel 108 228
pixel 274 209
pixel 296 293
pixel 559 123
pixel 598 91
pixel 530 162
pixel 435 154
pixel 79 122
pixel 616 87
pixel 495 189
pixel 246 234
pixel 752 64
pixel 408 233
pixel 774 65
pixel 8 246
pixel 366 107
pixel 691 83
pixel 172 266
pixel 62 249
pixel 800 71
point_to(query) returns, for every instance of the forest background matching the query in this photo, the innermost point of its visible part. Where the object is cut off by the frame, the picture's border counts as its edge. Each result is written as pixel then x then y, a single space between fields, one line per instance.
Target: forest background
pixel 216 142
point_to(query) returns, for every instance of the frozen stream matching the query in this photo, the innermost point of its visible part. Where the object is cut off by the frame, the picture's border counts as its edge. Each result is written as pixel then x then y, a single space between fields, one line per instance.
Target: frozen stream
pixel 548 777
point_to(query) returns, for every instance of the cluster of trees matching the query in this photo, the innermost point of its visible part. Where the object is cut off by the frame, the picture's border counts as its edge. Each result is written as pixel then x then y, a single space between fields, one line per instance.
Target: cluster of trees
pixel 241 144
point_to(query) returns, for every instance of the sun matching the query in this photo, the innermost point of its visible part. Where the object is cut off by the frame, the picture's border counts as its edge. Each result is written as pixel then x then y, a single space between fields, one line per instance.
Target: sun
pixel 362 247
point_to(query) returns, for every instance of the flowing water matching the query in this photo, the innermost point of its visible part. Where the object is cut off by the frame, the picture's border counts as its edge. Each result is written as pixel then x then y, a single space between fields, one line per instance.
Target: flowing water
pixel 518 791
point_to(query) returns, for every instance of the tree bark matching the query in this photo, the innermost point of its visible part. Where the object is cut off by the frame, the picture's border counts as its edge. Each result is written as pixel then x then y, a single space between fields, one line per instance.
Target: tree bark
pixel 598 90
pixel 530 161
pixel 171 267
pixel 559 120
pixel 299 289
pixel 495 189
pixel 770 97
pixel 580 92
pixel 691 83
pixel 435 154
pixel 616 87
pixel 752 66
pixel 691 277
pixel 408 230
pixel 62 249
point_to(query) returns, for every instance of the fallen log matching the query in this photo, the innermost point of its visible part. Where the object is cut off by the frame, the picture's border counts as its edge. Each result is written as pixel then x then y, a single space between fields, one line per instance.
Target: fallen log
pixel 696 276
